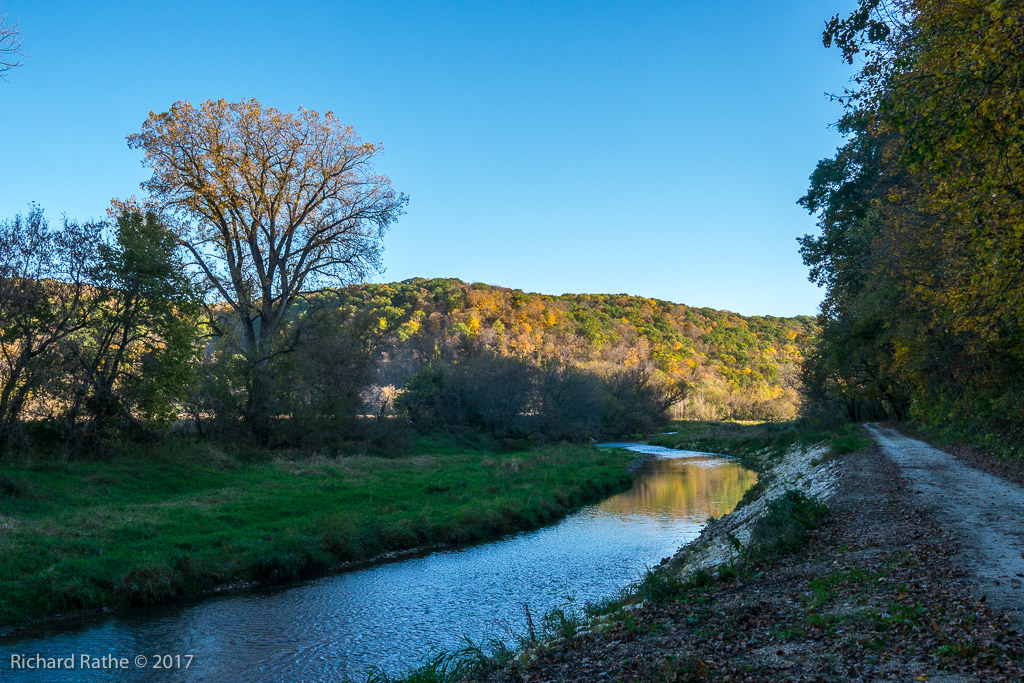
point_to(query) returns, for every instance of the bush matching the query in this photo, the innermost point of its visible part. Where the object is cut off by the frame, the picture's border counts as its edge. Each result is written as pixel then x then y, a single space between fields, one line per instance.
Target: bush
pixel 491 393
pixel 574 404
pixel 638 399
pixel 511 398
pixel 784 527
pixel 658 586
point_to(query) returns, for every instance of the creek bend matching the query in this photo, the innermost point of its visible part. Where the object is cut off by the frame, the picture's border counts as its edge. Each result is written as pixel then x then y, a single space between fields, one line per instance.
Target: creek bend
pixel 394 614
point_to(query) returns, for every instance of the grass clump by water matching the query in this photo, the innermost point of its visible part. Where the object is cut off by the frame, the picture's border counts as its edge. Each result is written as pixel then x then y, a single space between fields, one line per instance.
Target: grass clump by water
pixel 158 524
pixel 469 662
pixel 785 525
pixel 474 660
pixel 443 667
pixel 658 586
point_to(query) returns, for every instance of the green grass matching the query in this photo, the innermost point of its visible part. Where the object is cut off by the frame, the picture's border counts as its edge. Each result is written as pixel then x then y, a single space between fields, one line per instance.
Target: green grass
pixel 785 525
pixel 746 439
pixel 160 523
pixel 658 586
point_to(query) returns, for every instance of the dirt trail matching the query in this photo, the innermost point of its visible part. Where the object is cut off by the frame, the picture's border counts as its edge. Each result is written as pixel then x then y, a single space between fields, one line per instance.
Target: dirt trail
pixel 985 511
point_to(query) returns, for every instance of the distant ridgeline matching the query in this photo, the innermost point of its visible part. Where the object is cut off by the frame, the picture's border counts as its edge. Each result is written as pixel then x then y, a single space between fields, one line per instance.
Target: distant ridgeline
pixel 734 366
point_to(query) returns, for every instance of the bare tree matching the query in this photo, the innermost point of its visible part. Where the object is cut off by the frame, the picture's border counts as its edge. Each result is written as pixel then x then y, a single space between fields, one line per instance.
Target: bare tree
pixel 271 206
pixel 10 45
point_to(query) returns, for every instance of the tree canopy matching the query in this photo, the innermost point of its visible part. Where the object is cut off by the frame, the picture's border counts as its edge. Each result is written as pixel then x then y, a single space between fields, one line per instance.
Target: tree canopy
pixel 730 366
pixel 270 205
pixel 921 247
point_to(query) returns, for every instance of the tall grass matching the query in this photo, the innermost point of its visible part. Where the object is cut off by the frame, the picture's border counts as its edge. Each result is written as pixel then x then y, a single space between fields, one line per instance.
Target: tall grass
pixel 149 526
pixel 785 525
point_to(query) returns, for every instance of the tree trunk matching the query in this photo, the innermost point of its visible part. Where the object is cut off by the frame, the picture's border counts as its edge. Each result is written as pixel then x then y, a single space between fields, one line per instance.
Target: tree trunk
pixel 257 409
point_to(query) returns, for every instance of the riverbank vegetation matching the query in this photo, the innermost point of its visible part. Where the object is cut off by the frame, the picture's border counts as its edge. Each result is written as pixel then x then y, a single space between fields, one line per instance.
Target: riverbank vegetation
pixel 781 526
pixel 108 342
pixel 921 213
pixel 761 439
pixel 867 588
pixel 157 523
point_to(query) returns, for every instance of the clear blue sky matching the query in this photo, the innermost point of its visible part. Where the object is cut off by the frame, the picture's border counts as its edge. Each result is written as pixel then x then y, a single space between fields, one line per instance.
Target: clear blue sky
pixel 642 147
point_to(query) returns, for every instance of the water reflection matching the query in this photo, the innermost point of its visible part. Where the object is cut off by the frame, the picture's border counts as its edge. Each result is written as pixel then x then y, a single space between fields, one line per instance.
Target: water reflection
pixel 395 614
pixel 692 488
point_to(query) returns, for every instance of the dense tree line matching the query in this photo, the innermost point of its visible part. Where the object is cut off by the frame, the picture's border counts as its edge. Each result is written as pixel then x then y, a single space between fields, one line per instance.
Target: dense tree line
pixel 921 250
pixel 97 336
pixel 107 339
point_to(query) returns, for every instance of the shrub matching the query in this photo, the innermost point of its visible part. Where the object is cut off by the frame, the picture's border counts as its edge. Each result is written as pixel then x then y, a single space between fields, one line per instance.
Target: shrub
pixel 512 398
pixel 658 586
pixel 784 527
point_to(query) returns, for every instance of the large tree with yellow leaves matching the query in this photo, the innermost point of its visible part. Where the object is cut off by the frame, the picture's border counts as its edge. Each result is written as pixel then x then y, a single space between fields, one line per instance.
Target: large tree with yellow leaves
pixel 271 205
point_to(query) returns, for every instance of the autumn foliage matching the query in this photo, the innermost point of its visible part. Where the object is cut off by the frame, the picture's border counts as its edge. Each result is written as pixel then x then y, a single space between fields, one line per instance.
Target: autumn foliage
pixel 269 206
pixel 921 249
pixel 222 304
pixel 715 364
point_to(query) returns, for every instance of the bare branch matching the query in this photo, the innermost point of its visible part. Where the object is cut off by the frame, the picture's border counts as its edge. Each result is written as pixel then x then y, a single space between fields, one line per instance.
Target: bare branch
pixel 10 45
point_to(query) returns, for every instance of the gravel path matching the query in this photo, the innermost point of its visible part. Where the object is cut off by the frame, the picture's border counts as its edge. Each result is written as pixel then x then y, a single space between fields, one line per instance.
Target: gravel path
pixel 985 511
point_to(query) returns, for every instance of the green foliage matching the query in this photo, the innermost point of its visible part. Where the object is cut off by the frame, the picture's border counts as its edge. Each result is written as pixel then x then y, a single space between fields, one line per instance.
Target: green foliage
pixel 850 439
pixel 443 667
pixel 469 662
pixel 94 330
pixel 562 621
pixel 921 216
pixel 215 398
pixel 658 586
pixel 138 350
pixel 784 526
pixel 45 301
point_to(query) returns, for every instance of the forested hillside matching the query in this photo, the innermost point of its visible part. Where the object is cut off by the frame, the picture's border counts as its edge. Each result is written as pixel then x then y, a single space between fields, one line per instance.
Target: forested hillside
pixel 727 365
pixel 921 249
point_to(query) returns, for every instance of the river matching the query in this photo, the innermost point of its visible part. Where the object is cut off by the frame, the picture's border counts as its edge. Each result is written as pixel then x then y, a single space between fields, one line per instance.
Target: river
pixel 393 615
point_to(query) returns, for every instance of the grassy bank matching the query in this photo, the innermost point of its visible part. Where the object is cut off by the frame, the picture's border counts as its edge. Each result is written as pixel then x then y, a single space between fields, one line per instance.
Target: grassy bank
pixel 156 524
pixel 771 438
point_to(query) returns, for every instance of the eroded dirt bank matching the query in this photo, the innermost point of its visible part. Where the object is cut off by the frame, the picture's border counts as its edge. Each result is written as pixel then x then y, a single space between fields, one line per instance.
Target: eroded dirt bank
pixel 880 592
